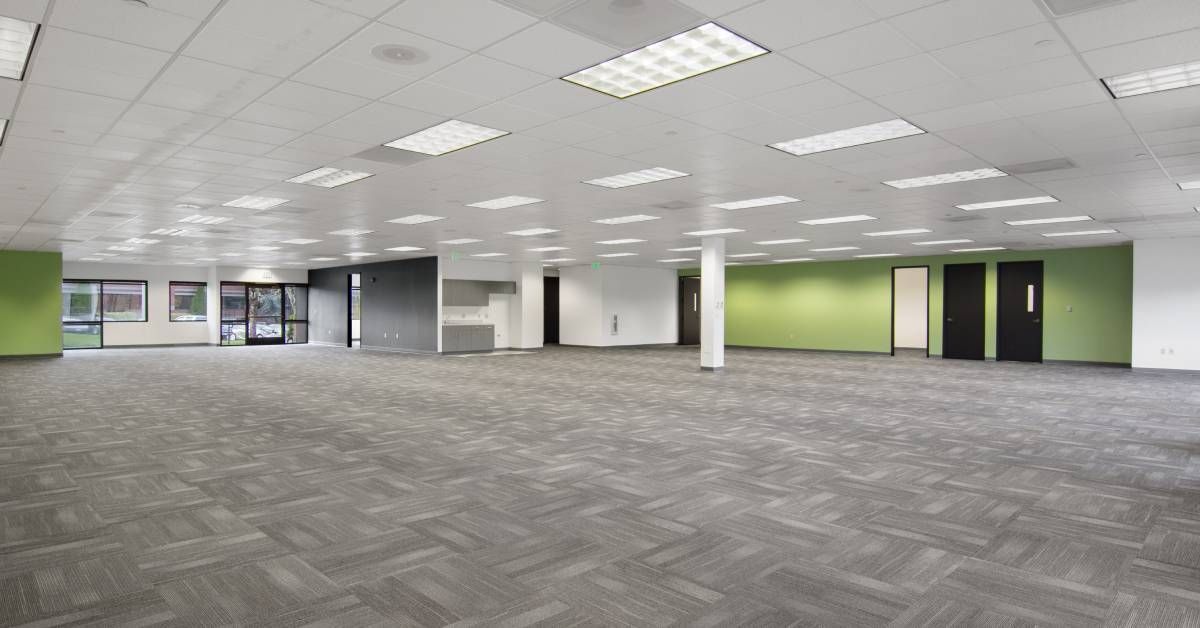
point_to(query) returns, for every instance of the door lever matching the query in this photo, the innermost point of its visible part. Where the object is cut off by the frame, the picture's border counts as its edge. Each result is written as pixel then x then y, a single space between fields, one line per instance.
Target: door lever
pixel 949 320
pixel 1037 320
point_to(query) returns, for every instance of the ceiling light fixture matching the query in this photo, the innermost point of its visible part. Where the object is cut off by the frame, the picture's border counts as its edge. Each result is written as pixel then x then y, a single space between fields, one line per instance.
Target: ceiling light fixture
pixel 880 234
pixel 702 49
pixel 461 241
pixel 322 259
pixel 878 255
pixel 232 254
pixel 623 220
pixel 686 249
pixel 536 231
pixel 1047 221
pixel 1015 202
pixel 207 259
pixel 787 241
pixel 141 241
pixel 793 259
pixel 712 232
pixel 17 37
pixel 329 177
pixel 832 249
pixel 937 242
pixel 168 232
pixel 405 249
pixel 489 254
pixel 299 241
pixel 256 202
pixel 978 249
pixel 504 202
pixel 676 260
pixel 547 249
pixel 740 255
pixel 637 177
pixel 948 177
pixel 198 219
pixel 446 137
pixel 1064 234
pixel 837 220
pixel 1156 80
pixel 857 136
pixel 560 259
pixel 415 219
pixel 120 248
pixel 359 254
pixel 757 202
pixel 621 241
pixel 1190 185
pixel 351 232
pixel 616 254
pixel 262 248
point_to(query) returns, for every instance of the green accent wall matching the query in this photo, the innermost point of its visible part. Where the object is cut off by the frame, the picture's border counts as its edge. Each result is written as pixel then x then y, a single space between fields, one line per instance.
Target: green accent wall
pixel 30 303
pixel 847 305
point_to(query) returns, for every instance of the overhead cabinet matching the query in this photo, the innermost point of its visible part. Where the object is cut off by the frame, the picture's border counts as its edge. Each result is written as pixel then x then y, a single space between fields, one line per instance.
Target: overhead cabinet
pixel 473 293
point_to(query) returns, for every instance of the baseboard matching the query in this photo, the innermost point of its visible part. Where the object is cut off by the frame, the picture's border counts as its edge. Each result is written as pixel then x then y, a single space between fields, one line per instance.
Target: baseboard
pixel 31 356
pixel 1119 365
pixel 1148 369
pixel 396 350
pixel 328 344
pixel 161 345
pixel 645 346
pixel 845 351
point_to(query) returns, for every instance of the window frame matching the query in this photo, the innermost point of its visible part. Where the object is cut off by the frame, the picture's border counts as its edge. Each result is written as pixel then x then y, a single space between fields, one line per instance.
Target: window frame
pixel 145 298
pixel 98 323
pixel 284 321
pixel 171 299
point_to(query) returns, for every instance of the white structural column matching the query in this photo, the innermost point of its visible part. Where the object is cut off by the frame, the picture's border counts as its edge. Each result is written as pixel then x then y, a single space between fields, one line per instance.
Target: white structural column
pixel 526 311
pixel 712 304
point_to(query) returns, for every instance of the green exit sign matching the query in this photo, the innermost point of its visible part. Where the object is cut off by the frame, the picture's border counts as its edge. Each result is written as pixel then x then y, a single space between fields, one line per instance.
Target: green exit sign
pixel 595 265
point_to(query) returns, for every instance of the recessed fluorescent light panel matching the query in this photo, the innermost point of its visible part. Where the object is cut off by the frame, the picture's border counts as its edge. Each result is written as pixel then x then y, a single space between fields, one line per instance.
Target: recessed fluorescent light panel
pixel 832 249
pixel 489 254
pixel 359 254
pixel 17 37
pixel 757 202
pixel 416 219
pixel 1047 221
pixel 560 259
pixel 504 202
pixel 329 177
pixel 793 259
pixel 621 241
pixel 197 219
pixel 1156 80
pixel 616 254
pixel 949 177
pixel 702 49
pixel 3 129
pixel 351 232
pixel 1064 234
pixel 91 259
pixel 141 241
pixel 256 202
pixel 1015 202
pixel 978 249
pixel 446 137
pixel 675 260
pixel 787 241
pixel 624 220
pixel 747 255
pixel 232 254
pixel 879 255
pixel 837 220
pixel 686 249
pixel 322 259
pixel 461 241
pixel 711 232
pixel 262 248
pixel 299 241
pixel 532 232
pixel 857 136
pixel 1190 185
pixel 168 232
pixel 405 249
pixel 638 177
pixel 207 259
pixel 898 232
pixel 937 242
pixel 547 249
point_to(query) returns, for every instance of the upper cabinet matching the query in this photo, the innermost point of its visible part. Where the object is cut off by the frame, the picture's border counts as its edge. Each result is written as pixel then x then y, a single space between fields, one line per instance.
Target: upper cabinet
pixel 473 293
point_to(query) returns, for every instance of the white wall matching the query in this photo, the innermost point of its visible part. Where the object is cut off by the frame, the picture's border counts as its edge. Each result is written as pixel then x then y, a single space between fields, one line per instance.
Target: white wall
pixel 911 326
pixel 642 299
pixel 1166 304
pixel 158 330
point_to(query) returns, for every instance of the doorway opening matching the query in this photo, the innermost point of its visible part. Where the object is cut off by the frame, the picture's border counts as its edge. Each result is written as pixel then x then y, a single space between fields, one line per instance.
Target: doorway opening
pixel 354 311
pixel 910 310
pixel 550 310
pixel 689 310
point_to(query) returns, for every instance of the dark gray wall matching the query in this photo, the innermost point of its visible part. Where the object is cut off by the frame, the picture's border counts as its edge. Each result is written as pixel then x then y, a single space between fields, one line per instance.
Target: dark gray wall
pixel 398 298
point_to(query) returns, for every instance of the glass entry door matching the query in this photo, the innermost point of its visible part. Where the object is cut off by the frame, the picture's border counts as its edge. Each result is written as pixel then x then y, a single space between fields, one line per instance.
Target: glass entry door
pixel 265 320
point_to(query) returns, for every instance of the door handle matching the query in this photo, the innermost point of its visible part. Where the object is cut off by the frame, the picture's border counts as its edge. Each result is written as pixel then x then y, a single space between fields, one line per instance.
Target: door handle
pixel 949 320
pixel 1037 320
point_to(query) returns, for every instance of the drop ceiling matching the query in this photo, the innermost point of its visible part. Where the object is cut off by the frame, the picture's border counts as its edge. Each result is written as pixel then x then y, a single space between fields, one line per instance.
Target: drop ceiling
pixel 132 119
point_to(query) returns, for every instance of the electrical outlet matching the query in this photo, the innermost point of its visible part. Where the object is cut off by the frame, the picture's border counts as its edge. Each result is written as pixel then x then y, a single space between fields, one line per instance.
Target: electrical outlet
pixel 1070 308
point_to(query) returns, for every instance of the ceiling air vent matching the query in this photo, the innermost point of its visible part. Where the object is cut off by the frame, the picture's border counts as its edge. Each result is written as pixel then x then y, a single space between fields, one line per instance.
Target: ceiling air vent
pixel 674 205
pixel 1070 7
pixel 963 218
pixel 108 214
pixel 628 23
pixel 1046 165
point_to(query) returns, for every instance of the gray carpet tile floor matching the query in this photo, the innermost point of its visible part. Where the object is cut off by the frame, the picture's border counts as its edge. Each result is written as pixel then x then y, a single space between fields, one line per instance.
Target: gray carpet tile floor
pixel 303 485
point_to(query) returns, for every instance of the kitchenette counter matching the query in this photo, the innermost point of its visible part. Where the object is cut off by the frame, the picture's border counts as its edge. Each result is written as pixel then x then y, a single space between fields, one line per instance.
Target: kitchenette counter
pixel 465 336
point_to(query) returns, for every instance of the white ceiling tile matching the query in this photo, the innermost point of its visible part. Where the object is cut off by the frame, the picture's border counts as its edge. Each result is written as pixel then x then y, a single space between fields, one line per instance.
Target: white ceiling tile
pixel 160 124
pixel 1129 22
pixel 436 99
pixel 956 21
pixel 757 76
pixel 888 8
pixel 489 21
pixel 255 132
pixel 486 77
pixel 779 24
pixel 680 98
pixel 550 50
pixel 1017 47
pixel 1032 77
pixel 566 132
pixel 1176 48
pixel 354 69
pixel 152 26
pixel 717 8
pixel 195 85
pixel 276 37
pixel 94 65
pixel 896 76
pixel 955 117
pixel 1064 97
pixel 302 107
pixel 933 97
pixel 53 107
pixel 856 48
pixel 733 116
pixel 844 117
pixel 28 10
pixel 619 116
pixel 507 117
pixel 379 123
pixel 559 99
pixel 807 98
pixel 365 8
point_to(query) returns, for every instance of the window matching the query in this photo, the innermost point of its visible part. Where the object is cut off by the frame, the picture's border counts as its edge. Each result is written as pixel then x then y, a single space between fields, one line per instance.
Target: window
pixel 81 325
pixel 189 301
pixel 123 301
pixel 264 313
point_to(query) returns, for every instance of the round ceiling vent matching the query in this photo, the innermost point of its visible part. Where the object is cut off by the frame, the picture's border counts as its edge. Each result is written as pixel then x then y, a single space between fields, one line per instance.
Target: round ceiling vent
pixel 400 55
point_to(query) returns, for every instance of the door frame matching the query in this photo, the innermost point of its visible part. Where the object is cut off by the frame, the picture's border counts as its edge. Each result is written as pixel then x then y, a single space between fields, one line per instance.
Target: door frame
pixel 679 309
pixel 892 323
pixel 283 311
pixel 1041 305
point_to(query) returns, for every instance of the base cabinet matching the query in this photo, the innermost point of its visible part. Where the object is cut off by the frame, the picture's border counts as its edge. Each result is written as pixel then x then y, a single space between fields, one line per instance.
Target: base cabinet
pixel 463 338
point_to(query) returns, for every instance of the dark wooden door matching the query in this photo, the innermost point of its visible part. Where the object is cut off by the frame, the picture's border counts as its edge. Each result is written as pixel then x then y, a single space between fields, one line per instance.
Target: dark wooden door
pixel 1019 311
pixel 963 311
pixel 550 310
pixel 689 310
